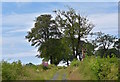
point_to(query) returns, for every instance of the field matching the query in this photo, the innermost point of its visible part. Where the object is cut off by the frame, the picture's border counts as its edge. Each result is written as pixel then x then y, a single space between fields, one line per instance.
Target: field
pixel 91 68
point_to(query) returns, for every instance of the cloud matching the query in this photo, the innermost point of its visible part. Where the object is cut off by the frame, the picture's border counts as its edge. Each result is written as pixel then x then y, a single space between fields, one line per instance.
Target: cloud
pixel 19 22
pixel 10 40
pixel 105 20
pixel 107 23
pixel 32 53
pixel 18 19
pixel 18 30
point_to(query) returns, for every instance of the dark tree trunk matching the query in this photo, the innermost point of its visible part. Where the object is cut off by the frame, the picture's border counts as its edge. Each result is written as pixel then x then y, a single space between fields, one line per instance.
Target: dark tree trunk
pixel 80 58
pixel 51 60
pixel 73 48
pixel 77 48
pixel 67 62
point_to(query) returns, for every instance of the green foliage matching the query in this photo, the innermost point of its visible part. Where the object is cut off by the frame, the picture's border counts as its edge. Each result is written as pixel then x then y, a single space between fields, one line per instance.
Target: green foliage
pixel 104 43
pixel 105 68
pixel 11 71
pixel 91 68
pixel 89 48
pixel 95 68
pixel 45 33
pixel 17 71
pixel 74 25
pixel 75 63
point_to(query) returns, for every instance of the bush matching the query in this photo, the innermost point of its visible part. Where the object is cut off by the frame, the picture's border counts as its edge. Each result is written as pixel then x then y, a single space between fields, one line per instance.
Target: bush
pixel 75 63
pixel 106 68
pixel 11 71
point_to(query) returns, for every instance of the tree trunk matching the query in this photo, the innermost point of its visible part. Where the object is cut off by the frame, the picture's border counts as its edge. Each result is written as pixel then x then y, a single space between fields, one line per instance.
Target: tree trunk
pixel 77 47
pixel 80 58
pixel 73 48
pixel 67 62
pixel 51 60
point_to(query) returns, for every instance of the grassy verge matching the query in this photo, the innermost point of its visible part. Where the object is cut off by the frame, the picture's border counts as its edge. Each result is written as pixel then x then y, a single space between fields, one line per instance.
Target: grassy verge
pixel 93 69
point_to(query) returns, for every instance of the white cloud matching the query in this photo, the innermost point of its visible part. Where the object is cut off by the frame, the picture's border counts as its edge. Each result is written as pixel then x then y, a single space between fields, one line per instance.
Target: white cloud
pixel 105 22
pixel 18 30
pixel 13 40
pixel 19 22
pixel 32 53
pixel 18 19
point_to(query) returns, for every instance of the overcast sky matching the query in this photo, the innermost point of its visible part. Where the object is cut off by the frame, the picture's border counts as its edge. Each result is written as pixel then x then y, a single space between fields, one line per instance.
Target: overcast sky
pixel 18 18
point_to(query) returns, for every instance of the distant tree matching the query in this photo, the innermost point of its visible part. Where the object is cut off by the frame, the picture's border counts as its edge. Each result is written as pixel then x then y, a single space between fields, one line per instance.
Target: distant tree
pixel 29 64
pixel 114 52
pixel 117 44
pixel 44 29
pixel 104 42
pixel 89 48
pixel 74 26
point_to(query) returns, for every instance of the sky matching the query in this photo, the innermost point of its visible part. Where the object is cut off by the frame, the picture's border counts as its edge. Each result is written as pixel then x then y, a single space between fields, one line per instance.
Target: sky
pixel 18 18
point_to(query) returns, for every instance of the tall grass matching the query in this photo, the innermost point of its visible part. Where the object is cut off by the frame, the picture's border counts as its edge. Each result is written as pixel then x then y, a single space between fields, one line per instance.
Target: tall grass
pixel 17 71
pixel 93 68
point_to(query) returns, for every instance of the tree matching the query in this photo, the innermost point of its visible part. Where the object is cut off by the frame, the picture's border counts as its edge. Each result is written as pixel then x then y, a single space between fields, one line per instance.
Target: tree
pixel 117 44
pixel 44 29
pixel 56 50
pixel 104 42
pixel 89 48
pixel 66 49
pixel 74 27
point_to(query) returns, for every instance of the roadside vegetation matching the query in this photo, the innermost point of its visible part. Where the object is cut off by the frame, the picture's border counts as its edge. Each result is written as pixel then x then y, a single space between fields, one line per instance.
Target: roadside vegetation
pixel 17 71
pixel 91 68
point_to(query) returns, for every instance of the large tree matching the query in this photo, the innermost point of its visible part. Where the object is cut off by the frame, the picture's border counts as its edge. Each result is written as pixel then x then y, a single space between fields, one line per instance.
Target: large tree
pixel 41 34
pixel 74 26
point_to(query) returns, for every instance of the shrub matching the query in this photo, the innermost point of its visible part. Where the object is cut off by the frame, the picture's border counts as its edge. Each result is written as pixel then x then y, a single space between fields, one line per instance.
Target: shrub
pixel 106 68
pixel 11 71
pixel 75 63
